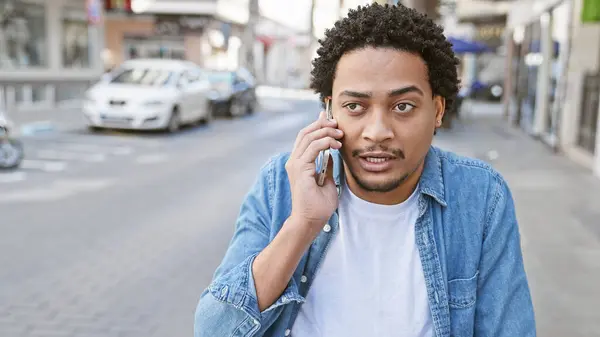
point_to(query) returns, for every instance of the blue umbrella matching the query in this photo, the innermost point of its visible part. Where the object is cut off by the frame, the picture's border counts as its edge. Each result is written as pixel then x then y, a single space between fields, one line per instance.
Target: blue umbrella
pixel 465 47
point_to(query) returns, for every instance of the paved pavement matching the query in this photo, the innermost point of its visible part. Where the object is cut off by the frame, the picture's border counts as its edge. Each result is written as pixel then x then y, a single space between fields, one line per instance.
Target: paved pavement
pixel 558 207
pixel 123 246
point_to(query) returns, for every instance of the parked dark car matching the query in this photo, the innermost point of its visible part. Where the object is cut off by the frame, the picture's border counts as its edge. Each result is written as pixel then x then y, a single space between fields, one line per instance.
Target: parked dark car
pixel 234 92
pixel 491 92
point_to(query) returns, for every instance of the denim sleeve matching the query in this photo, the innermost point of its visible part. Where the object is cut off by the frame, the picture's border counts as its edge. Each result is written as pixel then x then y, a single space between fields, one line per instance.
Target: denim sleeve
pixel 504 306
pixel 229 306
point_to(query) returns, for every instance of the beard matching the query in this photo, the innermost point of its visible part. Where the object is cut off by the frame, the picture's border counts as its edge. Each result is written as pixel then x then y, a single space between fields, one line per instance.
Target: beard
pixel 388 185
pixel 379 187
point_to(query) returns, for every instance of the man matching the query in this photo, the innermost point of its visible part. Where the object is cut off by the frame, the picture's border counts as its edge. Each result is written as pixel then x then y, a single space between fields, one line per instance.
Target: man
pixel 404 239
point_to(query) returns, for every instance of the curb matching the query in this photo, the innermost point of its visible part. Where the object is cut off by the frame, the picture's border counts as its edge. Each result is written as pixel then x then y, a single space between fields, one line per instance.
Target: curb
pixel 264 91
pixel 34 128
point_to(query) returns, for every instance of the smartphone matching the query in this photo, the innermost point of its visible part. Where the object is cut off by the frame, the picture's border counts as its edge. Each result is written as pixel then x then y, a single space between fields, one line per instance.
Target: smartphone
pixel 323 158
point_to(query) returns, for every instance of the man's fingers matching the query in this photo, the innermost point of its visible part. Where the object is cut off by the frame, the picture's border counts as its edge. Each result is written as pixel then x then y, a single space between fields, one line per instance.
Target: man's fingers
pixel 312 151
pixel 315 135
pixel 319 123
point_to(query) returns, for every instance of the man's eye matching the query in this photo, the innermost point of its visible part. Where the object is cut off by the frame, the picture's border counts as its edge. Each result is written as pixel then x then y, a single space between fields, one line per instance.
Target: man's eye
pixel 353 107
pixel 404 107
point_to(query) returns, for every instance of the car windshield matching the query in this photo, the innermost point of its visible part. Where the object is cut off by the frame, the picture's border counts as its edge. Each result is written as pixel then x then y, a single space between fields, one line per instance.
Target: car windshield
pixel 155 77
pixel 219 77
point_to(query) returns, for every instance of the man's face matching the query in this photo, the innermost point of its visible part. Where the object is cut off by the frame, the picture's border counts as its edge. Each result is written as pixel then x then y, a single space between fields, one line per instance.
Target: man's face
pixel 383 102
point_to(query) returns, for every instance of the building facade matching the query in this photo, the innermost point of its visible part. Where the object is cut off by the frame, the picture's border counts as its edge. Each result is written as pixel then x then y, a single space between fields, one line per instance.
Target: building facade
pixel 197 31
pixel 49 51
pixel 553 82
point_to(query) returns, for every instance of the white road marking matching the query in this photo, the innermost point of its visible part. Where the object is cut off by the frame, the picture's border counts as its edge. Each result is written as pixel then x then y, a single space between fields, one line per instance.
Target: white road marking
pixel 12 177
pixel 80 185
pixel 122 151
pixel 75 156
pixel 114 150
pixel 152 159
pixel 43 165
pixel 34 194
pixel 59 190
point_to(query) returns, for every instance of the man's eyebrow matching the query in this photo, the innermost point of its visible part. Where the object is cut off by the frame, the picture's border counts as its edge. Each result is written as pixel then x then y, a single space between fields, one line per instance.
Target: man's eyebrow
pixel 391 93
pixel 356 94
pixel 402 91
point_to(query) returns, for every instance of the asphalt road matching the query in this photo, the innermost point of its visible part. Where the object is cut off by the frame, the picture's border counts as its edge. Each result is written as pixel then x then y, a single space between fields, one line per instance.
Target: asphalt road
pixel 117 234
pixel 123 246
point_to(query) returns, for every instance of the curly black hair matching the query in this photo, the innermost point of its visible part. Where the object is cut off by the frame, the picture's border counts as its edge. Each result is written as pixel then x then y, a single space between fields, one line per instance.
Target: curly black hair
pixel 388 26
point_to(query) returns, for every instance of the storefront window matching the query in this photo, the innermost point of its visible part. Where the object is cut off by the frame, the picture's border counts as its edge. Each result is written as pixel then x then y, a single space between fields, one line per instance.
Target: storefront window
pixel 588 120
pixel 38 93
pixel 76 42
pixel 23 40
pixel 560 30
pixel 149 47
pixel 528 73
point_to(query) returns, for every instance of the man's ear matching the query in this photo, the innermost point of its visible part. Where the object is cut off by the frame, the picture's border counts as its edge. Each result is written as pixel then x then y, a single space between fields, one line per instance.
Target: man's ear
pixel 440 109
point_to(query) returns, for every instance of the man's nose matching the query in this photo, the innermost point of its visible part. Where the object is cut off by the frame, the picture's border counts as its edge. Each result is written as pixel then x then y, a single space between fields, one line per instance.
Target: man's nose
pixel 378 128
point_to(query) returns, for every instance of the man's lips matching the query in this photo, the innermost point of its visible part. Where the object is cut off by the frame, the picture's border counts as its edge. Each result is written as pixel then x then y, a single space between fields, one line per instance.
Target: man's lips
pixel 376 161
pixel 377 155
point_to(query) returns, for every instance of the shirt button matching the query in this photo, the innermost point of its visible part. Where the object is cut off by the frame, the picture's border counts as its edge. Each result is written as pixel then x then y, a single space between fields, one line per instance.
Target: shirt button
pixel 288 332
pixel 327 228
pixel 255 322
pixel 303 279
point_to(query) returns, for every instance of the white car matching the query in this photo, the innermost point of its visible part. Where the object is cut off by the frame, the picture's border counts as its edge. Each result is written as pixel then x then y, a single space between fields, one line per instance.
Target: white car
pixel 149 94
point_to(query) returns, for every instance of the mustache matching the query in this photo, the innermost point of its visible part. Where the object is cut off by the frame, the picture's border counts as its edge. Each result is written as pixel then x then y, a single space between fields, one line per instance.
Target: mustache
pixel 394 152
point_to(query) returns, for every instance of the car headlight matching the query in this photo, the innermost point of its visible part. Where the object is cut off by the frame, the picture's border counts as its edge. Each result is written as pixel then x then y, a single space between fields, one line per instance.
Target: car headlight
pixel 497 90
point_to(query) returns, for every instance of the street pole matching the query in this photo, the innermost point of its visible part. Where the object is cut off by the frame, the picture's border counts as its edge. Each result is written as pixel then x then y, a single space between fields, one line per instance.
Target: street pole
pixel 311 29
pixel 312 40
pixel 250 35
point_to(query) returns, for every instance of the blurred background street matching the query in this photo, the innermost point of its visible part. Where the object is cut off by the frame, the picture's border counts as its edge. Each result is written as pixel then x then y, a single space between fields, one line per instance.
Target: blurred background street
pixel 124 246
pixel 144 122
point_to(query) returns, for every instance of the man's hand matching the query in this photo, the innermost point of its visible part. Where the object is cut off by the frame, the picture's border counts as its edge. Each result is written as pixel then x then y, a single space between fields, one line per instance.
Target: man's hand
pixel 313 205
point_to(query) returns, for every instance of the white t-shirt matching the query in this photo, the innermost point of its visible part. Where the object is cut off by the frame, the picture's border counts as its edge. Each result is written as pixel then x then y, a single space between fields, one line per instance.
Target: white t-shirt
pixel 371 281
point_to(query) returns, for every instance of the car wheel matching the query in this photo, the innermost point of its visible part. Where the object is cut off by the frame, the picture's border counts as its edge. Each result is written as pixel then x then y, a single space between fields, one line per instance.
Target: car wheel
pixel 11 154
pixel 237 109
pixel 251 108
pixel 93 129
pixel 174 121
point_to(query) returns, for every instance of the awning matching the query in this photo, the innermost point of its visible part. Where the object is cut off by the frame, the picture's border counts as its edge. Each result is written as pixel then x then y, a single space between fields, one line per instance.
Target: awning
pixel 468 47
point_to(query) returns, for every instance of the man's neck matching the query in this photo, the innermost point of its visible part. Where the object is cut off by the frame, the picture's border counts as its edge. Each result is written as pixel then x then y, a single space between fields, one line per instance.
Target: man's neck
pixel 394 197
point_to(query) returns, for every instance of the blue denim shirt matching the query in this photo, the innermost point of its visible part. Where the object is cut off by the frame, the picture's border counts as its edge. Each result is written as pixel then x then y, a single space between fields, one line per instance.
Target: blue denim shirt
pixel 466 234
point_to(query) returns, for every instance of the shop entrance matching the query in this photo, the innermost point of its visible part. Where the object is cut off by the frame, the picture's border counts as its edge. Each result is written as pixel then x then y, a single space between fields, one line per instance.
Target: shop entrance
pixel 588 119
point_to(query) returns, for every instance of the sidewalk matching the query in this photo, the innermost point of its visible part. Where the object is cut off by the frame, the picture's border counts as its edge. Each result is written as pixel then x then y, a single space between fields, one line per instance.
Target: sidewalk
pixel 42 119
pixel 558 207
